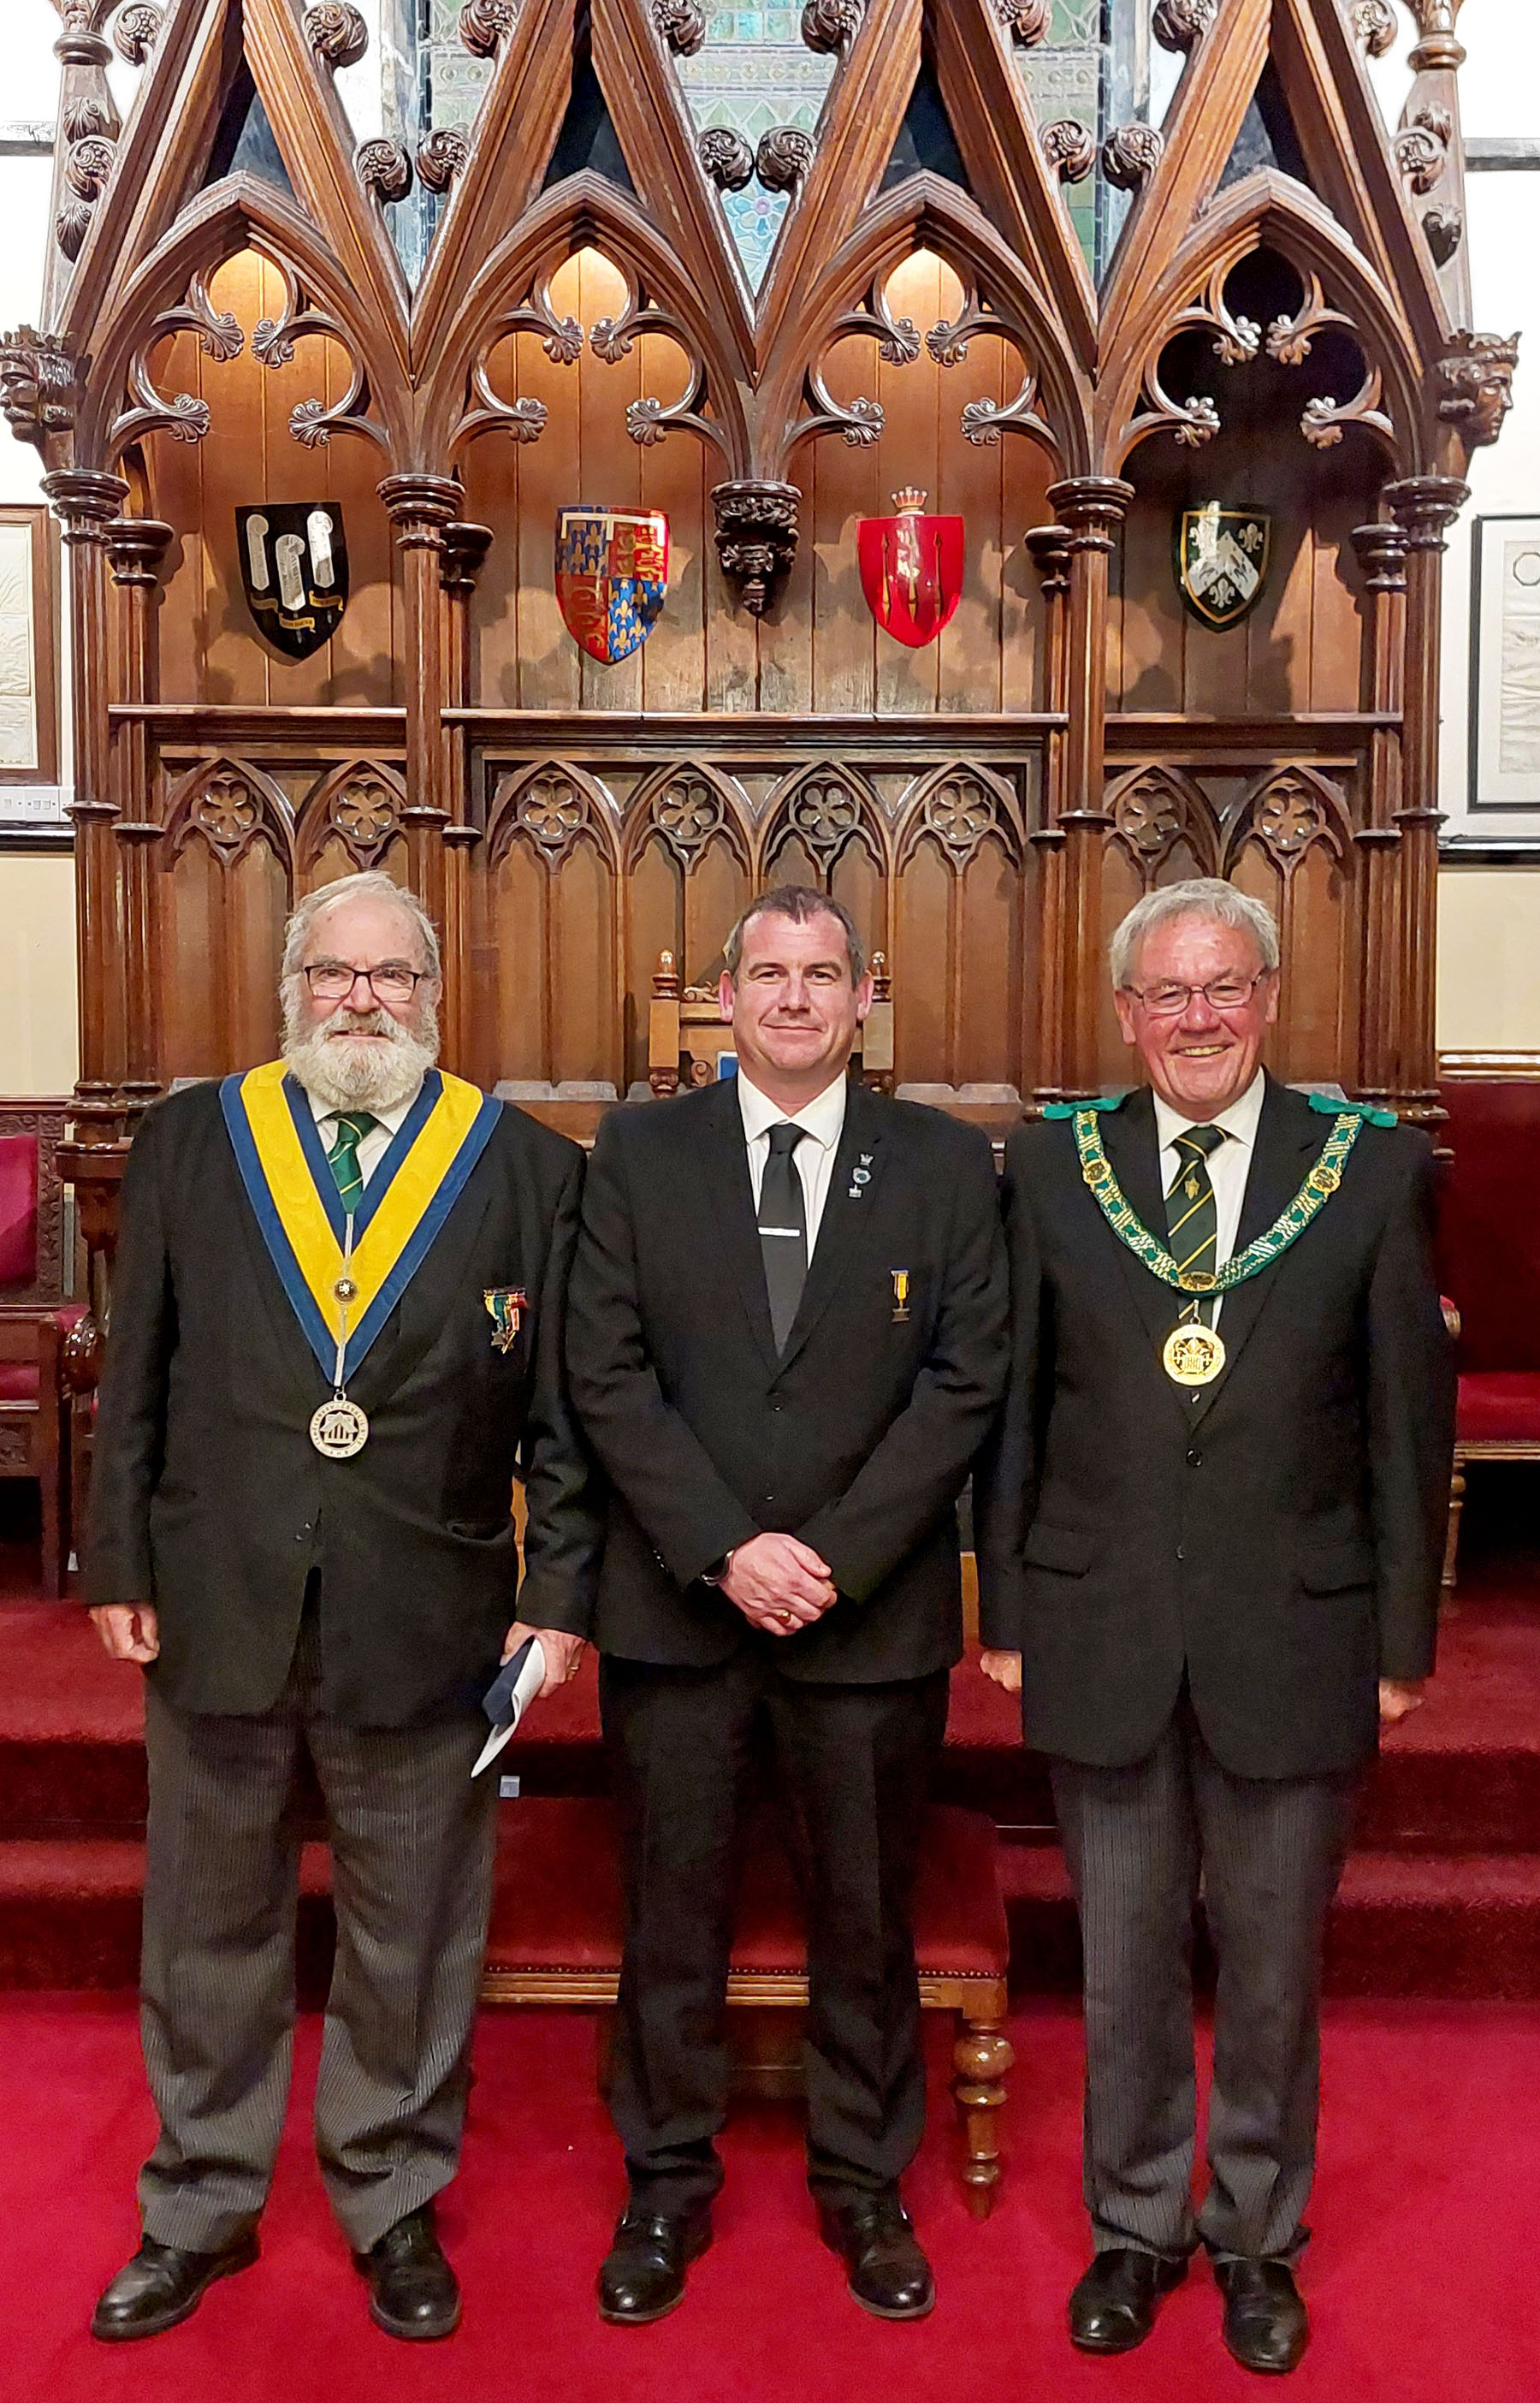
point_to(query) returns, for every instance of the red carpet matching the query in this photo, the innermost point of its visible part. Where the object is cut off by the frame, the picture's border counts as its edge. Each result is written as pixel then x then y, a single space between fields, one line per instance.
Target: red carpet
pixel 1417 2279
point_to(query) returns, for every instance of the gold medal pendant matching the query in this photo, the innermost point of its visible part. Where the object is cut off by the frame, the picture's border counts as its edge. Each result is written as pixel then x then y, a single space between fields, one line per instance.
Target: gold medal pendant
pixel 339 1428
pixel 1193 1354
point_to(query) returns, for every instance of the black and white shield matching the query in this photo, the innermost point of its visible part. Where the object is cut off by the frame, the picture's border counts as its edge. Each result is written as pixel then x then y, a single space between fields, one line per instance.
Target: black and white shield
pixel 1223 551
pixel 294 569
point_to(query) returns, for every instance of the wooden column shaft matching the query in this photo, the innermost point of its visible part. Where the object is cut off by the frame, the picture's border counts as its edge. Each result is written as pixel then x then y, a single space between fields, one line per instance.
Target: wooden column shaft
pixel 85 501
pixel 1382 549
pixel 1090 509
pixel 465 548
pixel 1051 559
pixel 136 549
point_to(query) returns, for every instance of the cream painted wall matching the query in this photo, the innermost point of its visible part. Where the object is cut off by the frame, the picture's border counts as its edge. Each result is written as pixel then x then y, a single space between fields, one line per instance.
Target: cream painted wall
pixel 1489 959
pixel 36 974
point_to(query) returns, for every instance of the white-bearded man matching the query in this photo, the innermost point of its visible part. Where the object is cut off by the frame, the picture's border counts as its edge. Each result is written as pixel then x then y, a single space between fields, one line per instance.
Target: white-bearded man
pixel 336 1341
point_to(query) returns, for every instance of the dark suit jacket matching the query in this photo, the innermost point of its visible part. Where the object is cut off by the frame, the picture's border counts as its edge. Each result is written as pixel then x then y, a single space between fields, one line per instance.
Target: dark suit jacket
pixel 209 1500
pixel 1281 1536
pixel 858 1440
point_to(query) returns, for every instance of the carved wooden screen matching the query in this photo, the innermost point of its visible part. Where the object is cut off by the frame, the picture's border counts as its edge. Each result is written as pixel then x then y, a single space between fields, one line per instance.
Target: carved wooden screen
pixel 1067 271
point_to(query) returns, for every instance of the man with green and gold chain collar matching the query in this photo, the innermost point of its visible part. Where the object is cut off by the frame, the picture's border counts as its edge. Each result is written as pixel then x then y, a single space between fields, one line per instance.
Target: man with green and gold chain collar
pixel 1210 1536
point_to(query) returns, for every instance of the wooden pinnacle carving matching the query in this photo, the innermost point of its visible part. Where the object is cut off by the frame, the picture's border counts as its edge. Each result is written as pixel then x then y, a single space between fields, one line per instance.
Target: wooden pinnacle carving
pixel 1027 21
pixel 726 157
pixel 830 27
pixel 442 157
pixel 137 31
pixel 1374 23
pixel 782 159
pixel 680 23
pixel 756 536
pixel 1130 155
pixel 482 25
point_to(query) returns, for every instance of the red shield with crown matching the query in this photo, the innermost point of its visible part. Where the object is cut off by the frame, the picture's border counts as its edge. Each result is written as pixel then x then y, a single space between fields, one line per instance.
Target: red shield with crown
pixel 912 570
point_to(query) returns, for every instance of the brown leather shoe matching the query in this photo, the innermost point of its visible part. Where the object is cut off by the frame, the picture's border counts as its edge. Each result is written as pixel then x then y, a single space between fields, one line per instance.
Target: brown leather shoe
pixel 163 2285
pixel 414 2292
pixel 1266 2326
pixel 888 2273
pixel 1113 2306
pixel 642 2276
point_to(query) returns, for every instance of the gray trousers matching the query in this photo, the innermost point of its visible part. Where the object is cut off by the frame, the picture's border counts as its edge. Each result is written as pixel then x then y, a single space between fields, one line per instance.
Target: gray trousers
pixel 412 1841
pixel 1266 1854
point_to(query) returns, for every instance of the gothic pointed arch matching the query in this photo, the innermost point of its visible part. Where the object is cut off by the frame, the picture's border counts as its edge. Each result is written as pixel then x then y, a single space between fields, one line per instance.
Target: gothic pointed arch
pixel 230 805
pixel 1287 813
pixel 827 810
pixel 359 806
pixel 688 808
pixel 958 808
pixel 1156 809
pixel 550 807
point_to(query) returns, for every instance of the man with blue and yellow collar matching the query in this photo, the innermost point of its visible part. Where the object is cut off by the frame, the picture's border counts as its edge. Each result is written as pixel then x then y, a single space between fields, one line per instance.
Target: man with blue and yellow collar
pixel 336 1341
pixel 1210 1538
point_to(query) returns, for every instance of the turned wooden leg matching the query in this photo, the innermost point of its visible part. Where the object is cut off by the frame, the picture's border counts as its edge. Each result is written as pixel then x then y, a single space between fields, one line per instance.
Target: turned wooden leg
pixel 1451 1539
pixel 980 2059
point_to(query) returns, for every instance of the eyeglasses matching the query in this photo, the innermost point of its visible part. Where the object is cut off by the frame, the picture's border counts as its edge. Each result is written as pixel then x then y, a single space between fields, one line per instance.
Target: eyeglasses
pixel 1171 1000
pixel 333 981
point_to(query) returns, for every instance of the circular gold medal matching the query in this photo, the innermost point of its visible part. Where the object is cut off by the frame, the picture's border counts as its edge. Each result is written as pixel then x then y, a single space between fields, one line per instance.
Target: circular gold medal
pixel 1193 1354
pixel 340 1428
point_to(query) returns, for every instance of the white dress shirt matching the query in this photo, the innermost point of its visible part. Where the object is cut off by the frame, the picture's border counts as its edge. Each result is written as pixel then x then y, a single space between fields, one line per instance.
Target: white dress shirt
pixel 1228 1166
pixel 823 1123
pixel 372 1150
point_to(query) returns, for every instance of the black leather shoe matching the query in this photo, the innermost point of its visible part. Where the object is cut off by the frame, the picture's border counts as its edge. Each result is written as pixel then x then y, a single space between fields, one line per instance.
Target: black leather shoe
pixel 874 2235
pixel 642 2276
pixel 163 2286
pixel 413 2293
pixel 1112 2308
pixel 1265 2323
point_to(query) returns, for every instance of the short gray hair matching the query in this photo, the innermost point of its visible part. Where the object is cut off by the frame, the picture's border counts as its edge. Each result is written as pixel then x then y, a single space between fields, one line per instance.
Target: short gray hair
pixel 800 903
pixel 371 885
pixel 1197 897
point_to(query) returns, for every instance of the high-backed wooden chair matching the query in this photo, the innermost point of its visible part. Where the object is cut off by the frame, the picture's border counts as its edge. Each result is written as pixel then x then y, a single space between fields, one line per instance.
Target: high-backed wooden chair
pixel 36 1317
pixel 686 1035
pixel 32 1438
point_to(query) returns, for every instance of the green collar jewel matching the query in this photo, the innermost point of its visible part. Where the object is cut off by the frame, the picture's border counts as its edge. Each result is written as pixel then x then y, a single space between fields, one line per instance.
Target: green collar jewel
pixel 1126 1224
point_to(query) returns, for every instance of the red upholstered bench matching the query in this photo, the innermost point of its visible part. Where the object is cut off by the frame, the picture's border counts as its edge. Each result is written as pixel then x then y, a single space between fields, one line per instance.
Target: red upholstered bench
pixel 1491 1265
pixel 555 1938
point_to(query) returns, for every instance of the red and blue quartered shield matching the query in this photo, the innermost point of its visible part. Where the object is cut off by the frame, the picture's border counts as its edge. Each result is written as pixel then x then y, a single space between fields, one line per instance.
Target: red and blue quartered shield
pixel 612 576
pixel 912 570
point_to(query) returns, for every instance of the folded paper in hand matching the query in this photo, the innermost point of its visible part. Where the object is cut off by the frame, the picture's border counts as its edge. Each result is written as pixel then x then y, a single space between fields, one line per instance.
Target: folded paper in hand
pixel 506 1701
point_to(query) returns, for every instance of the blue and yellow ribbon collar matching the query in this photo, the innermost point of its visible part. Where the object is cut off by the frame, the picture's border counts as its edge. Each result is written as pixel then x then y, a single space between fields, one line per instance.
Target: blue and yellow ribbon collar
pixel 294 1196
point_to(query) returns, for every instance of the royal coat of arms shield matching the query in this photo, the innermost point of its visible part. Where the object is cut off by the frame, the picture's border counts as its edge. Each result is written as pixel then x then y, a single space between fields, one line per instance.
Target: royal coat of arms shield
pixel 1223 551
pixel 294 570
pixel 912 569
pixel 612 576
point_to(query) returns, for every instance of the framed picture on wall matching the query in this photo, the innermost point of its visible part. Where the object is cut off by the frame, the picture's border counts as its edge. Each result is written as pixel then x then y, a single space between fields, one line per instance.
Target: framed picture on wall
pixel 31 800
pixel 1506 664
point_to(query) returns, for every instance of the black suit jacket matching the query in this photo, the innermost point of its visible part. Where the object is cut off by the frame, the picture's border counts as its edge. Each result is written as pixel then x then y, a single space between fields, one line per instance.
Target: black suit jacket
pixel 1281 1536
pixel 209 1500
pixel 858 1440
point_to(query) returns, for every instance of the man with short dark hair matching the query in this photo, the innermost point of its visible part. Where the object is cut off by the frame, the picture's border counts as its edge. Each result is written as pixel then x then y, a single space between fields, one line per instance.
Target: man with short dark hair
pixel 787 1339
pixel 336 1340
pixel 1210 1540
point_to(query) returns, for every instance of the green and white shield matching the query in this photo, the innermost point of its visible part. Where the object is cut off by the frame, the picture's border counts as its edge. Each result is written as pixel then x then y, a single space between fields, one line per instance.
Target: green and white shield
pixel 1222 556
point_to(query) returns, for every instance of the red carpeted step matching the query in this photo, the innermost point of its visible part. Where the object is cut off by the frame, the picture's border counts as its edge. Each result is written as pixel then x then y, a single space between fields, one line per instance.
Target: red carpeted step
pixel 69 1913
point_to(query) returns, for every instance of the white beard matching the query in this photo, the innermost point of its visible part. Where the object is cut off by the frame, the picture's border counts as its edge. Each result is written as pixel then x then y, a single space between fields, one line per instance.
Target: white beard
pixel 345 1076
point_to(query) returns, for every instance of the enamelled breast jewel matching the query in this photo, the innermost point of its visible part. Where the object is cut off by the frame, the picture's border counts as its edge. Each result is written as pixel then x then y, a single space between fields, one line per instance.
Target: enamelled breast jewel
pixel 340 1428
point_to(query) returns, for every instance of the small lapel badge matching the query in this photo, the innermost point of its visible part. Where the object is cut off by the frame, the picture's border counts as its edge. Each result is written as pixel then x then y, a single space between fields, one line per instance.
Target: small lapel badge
pixel 900 1296
pixel 506 1308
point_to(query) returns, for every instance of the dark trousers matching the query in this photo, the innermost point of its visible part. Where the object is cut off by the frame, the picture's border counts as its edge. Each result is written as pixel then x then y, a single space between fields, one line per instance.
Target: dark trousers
pixel 855 1763
pixel 1266 1854
pixel 411 1843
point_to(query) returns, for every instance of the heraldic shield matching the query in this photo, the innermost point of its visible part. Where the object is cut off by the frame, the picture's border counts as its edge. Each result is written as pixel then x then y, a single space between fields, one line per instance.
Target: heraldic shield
pixel 294 566
pixel 612 576
pixel 912 570
pixel 1221 557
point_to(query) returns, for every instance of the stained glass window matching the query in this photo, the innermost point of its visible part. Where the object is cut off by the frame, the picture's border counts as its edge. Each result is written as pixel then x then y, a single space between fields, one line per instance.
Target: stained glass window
pixel 1100 67
pixel 754 73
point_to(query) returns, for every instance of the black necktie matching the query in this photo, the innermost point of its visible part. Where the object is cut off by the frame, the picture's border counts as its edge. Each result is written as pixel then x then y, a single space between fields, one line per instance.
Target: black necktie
pixel 784 1229
pixel 1192 1216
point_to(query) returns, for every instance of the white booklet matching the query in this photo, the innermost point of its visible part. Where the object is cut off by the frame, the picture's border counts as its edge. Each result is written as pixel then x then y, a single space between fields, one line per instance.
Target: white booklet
pixel 506 1701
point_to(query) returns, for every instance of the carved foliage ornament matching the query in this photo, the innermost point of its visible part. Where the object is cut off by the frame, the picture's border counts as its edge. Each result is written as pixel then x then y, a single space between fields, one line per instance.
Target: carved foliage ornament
pixel 137 31
pixel 442 157
pixel 830 27
pixel 483 24
pixel 1027 21
pixel 782 159
pixel 384 168
pixel 227 812
pixel 686 811
pixel 960 810
pixel 1422 148
pixel 1069 148
pixel 1289 818
pixel 552 810
pixel 824 810
pixel 680 23
pixel 337 33
pixel 726 157
pixel 1180 24
pixel 1374 23
pixel 363 810
pixel 1130 155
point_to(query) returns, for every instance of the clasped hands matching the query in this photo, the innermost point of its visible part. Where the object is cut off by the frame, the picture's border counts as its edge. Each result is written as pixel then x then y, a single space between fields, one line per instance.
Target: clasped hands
pixel 779 1584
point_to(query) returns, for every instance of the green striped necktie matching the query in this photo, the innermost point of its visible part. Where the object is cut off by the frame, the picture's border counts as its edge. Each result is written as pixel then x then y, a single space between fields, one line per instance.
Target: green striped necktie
pixel 351 1127
pixel 1192 1217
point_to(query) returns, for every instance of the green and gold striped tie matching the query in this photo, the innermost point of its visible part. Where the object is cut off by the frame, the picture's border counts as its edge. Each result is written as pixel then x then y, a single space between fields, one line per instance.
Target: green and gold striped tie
pixel 1192 1218
pixel 351 1127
